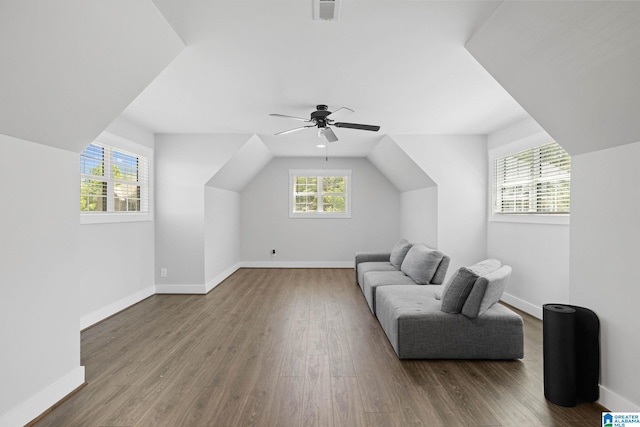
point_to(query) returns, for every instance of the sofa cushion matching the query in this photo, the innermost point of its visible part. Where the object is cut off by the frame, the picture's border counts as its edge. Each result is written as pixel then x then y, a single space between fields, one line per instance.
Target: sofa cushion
pixel 486 266
pixel 441 271
pixel 457 290
pixel 398 253
pixel 421 263
pixel 486 291
pixel 374 279
pixel 365 267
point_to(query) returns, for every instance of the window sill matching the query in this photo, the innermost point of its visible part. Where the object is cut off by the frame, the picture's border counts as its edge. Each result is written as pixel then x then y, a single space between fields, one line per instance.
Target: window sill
pixel 320 215
pixel 531 219
pixel 107 218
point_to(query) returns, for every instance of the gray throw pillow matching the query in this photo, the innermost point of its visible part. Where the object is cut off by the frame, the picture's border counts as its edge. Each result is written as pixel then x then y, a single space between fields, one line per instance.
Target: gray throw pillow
pixel 457 290
pixel 486 291
pixel 398 253
pixel 421 263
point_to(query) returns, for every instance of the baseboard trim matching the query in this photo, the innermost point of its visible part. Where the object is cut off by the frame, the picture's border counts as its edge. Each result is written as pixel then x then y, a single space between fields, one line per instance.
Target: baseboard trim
pixel 39 403
pixel 523 305
pixel 616 403
pixel 297 264
pixel 221 277
pixel 116 307
pixel 181 289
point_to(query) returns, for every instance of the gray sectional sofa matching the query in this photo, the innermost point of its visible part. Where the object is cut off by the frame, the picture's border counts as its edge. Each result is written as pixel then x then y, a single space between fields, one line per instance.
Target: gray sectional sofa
pixel 424 319
pixel 406 264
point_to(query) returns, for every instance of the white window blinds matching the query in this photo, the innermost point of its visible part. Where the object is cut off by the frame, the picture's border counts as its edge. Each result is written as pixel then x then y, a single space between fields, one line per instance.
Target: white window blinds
pixel 113 180
pixel 533 181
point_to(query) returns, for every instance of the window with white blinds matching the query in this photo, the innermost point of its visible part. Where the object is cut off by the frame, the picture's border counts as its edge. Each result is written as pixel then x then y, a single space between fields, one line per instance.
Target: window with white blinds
pixel 113 181
pixel 533 181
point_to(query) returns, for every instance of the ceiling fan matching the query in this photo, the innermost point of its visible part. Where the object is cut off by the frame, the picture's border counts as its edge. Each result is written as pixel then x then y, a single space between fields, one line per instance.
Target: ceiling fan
pixel 322 118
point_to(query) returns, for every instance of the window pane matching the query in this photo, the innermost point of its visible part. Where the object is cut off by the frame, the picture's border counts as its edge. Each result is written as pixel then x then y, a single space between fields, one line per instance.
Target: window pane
pixel 333 184
pixel 92 160
pixel 306 184
pixel 93 204
pixel 133 205
pixel 306 203
pixel 93 195
pixel 125 166
pixel 333 204
pixel 126 198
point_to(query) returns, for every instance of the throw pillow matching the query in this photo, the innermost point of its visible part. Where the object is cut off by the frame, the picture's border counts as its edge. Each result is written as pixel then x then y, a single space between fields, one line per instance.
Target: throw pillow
pixel 486 291
pixel 398 253
pixel 457 290
pixel 421 263
pixel 486 266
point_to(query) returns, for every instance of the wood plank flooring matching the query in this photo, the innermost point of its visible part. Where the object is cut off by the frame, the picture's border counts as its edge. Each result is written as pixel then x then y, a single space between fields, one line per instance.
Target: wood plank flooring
pixel 291 347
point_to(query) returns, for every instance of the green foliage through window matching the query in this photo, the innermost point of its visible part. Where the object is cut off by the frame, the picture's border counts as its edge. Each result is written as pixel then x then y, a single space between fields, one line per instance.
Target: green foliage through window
pixel 124 186
pixel 315 194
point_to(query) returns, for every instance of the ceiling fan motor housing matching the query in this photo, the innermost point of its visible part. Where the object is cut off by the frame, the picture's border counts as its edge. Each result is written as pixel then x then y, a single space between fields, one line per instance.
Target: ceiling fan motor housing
pixel 320 116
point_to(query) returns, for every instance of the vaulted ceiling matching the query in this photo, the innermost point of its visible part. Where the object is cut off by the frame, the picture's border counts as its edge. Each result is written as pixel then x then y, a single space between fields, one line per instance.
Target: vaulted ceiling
pixel 412 67
pixel 399 64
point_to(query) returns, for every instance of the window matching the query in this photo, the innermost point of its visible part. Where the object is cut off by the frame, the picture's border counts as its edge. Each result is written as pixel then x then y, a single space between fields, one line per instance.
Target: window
pixel 319 194
pixel 113 181
pixel 533 181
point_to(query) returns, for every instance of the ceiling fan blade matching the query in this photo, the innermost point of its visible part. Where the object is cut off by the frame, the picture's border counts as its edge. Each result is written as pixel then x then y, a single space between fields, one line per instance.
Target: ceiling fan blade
pixel 284 132
pixel 328 133
pixel 289 117
pixel 339 113
pixel 357 126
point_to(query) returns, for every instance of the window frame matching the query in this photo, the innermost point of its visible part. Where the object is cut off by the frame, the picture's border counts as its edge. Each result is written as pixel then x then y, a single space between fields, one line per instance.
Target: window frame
pixel 118 143
pixel 319 173
pixel 512 148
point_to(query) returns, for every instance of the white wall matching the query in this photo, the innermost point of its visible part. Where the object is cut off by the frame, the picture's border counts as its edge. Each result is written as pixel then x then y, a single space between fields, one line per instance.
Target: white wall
pixel 39 279
pixel 126 249
pixel 539 256
pixel 221 234
pixel 605 249
pixel 184 164
pixel 537 251
pixel 419 216
pixel 458 165
pixel 265 222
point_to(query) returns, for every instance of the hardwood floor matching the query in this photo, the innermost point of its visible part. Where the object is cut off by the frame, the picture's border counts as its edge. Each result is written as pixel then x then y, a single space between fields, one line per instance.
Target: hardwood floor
pixel 291 347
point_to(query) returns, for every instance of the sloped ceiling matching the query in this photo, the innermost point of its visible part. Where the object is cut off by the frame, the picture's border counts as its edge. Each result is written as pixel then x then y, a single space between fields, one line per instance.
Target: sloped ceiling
pixel 398 167
pixel 399 64
pixel 574 66
pixel 243 166
pixel 69 68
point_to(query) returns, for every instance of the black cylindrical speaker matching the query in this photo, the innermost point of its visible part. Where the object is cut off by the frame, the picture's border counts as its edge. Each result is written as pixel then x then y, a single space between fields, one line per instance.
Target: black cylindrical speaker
pixel 571 341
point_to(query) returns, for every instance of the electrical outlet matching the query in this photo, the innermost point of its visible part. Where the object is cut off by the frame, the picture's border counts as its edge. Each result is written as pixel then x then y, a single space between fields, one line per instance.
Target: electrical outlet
pixel 163 272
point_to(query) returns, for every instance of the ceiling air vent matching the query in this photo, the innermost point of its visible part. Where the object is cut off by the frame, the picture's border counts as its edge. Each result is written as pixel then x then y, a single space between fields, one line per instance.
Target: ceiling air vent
pixel 325 10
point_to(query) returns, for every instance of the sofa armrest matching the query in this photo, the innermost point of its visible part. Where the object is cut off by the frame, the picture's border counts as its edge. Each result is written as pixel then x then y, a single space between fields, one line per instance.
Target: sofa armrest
pixel 369 257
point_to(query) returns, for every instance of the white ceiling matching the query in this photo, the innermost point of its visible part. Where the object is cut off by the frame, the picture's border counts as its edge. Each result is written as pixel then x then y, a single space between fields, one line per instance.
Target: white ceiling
pixel 67 69
pixel 575 67
pixel 399 64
